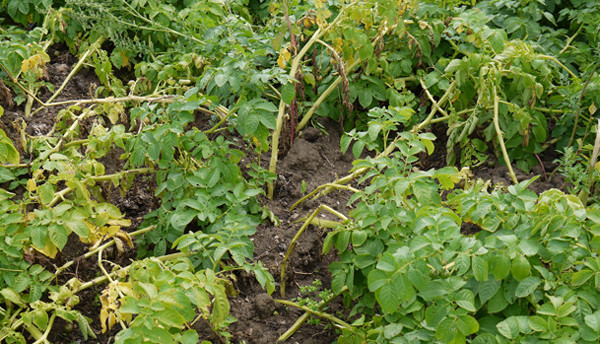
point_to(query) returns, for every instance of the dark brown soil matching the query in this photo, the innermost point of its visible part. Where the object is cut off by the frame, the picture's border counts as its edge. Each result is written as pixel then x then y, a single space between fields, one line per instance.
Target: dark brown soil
pixel 312 160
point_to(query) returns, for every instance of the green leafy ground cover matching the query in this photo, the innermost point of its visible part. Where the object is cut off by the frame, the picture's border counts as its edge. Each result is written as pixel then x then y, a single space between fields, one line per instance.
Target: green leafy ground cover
pixel 199 99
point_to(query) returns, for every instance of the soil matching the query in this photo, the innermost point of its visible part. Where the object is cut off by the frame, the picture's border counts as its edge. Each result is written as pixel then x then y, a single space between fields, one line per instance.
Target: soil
pixel 314 158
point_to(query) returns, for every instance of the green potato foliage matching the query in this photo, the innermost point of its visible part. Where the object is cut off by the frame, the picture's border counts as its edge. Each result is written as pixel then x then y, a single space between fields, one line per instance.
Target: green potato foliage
pixel 426 256
pixel 423 261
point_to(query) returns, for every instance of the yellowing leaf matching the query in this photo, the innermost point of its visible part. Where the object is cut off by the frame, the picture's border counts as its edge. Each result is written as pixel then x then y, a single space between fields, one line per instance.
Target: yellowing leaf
pixel 281 61
pixel 31 186
pixel 125 238
pixel 26 66
pixel 284 56
pixel 592 109
pixel 49 250
pixel 308 22
pixel 125 60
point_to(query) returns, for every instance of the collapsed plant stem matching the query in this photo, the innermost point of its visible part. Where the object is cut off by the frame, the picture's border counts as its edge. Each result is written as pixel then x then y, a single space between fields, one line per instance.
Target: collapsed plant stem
pixel 93 47
pixel 61 194
pixel 297 236
pixel 102 279
pixel 336 82
pixel 323 315
pixel 436 106
pixel 335 186
pixel 500 139
pixel 102 248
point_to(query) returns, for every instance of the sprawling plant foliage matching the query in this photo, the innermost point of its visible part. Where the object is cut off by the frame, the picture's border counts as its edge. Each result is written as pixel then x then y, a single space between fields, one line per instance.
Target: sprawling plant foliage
pixel 424 256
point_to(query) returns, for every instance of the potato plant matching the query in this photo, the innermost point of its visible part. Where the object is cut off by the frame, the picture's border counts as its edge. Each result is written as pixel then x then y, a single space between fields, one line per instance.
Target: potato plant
pixel 191 93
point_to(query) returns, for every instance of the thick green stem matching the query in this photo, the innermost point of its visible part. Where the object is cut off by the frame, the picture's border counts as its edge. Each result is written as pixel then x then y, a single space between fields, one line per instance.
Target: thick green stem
pixel 323 315
pixel 578 114
pixel 584 194
pixel 555 60
pixel 44 337
pixel 335 186
pixel 436 106
pixel 570 40
pixel 500 139
pixel 297 236
pixel 108 177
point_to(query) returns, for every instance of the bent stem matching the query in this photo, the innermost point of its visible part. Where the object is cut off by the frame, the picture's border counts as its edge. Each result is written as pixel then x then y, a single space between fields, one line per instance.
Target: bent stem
pixel 104 278
pixel 74 71
pixel 297 236
pixel 436 106
pixel 500 139
pixel 334 186
pixel 337 184
pixel 323 315
pixel 555 60
pixel 102 248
